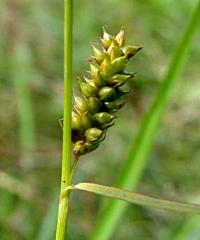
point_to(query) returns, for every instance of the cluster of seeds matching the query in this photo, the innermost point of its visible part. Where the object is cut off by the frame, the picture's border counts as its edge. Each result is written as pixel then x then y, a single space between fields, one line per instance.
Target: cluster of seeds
pixel 102 96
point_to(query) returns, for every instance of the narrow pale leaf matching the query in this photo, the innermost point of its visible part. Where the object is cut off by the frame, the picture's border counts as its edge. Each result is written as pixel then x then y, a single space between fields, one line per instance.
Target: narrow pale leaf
pixel 137 198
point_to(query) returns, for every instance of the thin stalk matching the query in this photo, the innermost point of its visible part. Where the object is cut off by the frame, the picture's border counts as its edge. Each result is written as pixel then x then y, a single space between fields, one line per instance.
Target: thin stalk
pixel 73 167
pixel 65 177
pixel 137 160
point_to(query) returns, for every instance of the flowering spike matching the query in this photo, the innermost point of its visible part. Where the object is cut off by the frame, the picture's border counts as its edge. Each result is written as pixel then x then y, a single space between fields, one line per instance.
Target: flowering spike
pixel 101 92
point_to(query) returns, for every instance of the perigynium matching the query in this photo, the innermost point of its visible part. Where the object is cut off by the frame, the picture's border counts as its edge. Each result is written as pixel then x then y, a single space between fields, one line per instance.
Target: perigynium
pixel 101 94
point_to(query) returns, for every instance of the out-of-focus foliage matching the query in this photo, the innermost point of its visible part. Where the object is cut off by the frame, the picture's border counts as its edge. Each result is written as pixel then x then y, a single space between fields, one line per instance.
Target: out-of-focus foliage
pixel 31 90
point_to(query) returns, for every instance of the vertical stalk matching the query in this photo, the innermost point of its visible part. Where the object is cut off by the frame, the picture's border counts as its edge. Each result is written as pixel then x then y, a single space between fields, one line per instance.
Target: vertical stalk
pixel 17 56
pixel 65 177
pixel 20 75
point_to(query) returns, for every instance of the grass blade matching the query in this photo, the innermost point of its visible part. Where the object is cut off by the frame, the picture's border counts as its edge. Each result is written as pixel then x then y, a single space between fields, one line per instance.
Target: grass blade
pixel 137 159
pixel 21 189
pixel 189 230
pixel 48 225
pixel 21 65
pixel 137 198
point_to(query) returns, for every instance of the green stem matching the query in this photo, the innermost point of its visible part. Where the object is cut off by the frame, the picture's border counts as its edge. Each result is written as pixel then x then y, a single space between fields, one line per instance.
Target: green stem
pixel 74 167
pixel 141 147
pixel 65 178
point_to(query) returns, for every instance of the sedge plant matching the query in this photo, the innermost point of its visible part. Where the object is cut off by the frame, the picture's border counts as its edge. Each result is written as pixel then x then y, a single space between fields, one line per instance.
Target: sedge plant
pixel 94 112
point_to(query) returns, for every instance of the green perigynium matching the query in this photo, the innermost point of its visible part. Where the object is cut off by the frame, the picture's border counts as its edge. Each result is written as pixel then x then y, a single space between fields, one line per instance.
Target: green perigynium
pixel 95 110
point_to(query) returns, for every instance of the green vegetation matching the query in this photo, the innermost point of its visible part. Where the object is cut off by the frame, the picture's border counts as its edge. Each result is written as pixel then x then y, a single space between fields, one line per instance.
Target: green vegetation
pixel 135 164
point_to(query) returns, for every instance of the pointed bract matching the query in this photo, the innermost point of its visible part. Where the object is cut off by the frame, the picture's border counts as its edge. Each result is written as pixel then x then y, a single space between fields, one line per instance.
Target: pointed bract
pixel 106 68
pixel 114 51
pixel 87 89
pixel 130 51
pixel 80 104
pixel 115 105
pixel 99 55
pixel 119 64
pixel 120 37
pixel 107 39
pixel 119 79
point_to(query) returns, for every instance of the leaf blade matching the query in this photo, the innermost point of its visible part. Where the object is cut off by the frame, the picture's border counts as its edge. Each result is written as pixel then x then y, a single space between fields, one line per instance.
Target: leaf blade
pixel 137 198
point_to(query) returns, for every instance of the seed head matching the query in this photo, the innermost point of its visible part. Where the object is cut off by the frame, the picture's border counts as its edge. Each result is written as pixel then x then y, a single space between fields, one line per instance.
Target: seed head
pixel 102 96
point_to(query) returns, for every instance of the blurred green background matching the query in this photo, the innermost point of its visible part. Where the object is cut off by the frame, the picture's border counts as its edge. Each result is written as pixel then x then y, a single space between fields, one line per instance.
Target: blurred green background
pixel 31 102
